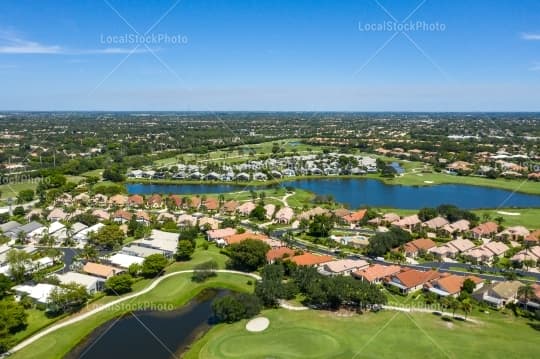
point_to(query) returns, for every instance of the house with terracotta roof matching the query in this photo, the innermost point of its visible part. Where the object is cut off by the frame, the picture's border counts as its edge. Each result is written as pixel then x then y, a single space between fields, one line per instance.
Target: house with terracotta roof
pixel 460 226
pixel 450 284
pixel 57 214
pixel 101 270
pixel 166 216
pixel 408 223
pixel 230 206
pixel 239 237
pixel 310 259
pixel 516 233
pixel 219 234
pixel 136 201
pixel 102 215
pixel 486 252
pixel 376 273
pixel 532 254
pixel 279 253
pixel 343 266
pixel 208 222
pixel 211 204
pixel 154 201
pixel 284 215
pixel 485 230
pixel 175 200
pixel 99 200
pixel 435 223
pixel 246 208
pixel 122 216
pixel 411 280
pixel 142 217
pixel 118 200
pixel 186 220
pixel 269 209
pixel 192 202
pixel 413 248
pixel 533 238
pixel 309 214
pixel 355 217
pixel 452 248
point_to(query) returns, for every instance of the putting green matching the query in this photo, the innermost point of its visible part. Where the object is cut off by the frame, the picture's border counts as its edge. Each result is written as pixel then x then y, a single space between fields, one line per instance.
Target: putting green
pixel 321 335
pixel 288 343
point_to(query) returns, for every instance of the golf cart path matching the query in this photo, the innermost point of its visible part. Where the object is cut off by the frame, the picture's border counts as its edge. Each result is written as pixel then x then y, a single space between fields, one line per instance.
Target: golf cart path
pixel 85 315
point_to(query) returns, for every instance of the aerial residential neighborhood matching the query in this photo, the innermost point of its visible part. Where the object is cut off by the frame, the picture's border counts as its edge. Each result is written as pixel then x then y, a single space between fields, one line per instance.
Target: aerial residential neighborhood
pixel 235 179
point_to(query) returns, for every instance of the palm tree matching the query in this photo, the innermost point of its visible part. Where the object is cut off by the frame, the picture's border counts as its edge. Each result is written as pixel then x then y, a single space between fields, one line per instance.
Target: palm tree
pixel 466 306
pixel 453 304
pixel 525 293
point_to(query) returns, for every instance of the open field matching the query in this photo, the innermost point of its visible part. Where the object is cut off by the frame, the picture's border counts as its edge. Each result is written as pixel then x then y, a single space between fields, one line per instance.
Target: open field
pixel 12 189
pixel 311 334
pixel 175 291
pixel 242 152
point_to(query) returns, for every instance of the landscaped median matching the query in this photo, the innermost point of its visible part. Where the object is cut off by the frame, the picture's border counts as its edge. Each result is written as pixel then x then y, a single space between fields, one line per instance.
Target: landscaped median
pixel 170 291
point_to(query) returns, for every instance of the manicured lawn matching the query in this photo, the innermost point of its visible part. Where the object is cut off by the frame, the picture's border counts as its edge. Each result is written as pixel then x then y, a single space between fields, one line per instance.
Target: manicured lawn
pixel 419 179
pixel 528 217
pixel 312 334
pixel 172 292
pixel 12 189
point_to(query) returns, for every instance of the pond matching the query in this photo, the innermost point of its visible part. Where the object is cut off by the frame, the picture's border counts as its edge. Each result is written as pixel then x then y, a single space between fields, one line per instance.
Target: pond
pixel 150 334
pixel 358 192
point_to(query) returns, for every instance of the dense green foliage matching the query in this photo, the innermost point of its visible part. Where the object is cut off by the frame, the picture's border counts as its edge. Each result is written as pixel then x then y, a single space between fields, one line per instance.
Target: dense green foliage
pixel 247 255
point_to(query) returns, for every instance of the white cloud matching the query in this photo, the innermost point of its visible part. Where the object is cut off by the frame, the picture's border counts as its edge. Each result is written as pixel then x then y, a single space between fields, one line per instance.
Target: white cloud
pixel 530 37
pixel 13 45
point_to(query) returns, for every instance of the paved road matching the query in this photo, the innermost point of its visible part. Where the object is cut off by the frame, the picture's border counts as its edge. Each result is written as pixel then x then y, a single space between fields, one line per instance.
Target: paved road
pixel 88 314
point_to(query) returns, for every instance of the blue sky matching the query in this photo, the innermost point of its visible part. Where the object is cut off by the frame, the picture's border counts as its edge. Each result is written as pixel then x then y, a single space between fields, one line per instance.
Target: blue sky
pixel 270 55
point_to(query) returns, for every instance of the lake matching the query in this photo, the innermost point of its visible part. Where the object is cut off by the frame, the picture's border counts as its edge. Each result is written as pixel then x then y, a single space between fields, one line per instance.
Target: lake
pixel 358 192
pixel 151 334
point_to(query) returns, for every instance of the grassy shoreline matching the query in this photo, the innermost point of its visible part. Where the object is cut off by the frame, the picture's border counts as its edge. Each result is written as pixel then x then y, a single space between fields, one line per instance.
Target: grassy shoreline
pixel 176 291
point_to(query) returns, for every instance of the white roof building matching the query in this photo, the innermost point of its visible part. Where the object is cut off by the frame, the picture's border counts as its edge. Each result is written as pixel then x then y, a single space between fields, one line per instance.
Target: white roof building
pixel 125 260
pixel 40 293
pixel 91 283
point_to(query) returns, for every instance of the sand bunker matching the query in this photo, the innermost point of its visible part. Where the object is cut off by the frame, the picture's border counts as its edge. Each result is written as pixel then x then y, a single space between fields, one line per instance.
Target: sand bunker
pixel 257 324
pixel 509 213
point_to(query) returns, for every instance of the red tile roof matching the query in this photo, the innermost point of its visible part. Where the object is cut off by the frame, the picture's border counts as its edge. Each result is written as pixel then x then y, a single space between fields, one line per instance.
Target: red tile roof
pixel 356 216
pixel 277 253
pixel 239 237
pixel 310 259
pixel 411 277
pixel 377 272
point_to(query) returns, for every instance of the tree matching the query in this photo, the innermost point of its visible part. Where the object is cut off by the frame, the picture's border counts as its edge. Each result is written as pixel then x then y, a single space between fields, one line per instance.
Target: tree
pixel 18 261
pixel 25 195
pixel 113 174
pixel 526 293
pixel 109 236
pixel 153 265
pixel 184 250
pixel 466 306
pixel 89 252
pixel 258 213
pixel 270 288
pixel 235 307
pixel 321 226
pixel 119 284
pixel 453 305
pixel 425 214
pixel 468 286
pixel 134 269
pixel 204 271
pixel 68 298
pixel 13 318
pixel 19 211
pixel 247 255
pixel 5 285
